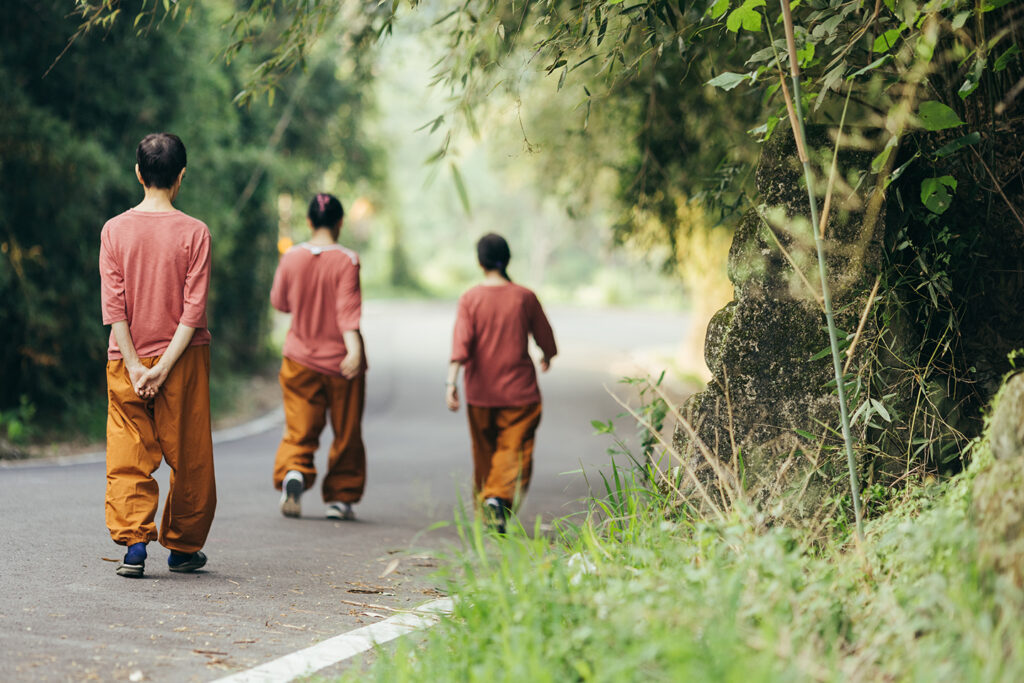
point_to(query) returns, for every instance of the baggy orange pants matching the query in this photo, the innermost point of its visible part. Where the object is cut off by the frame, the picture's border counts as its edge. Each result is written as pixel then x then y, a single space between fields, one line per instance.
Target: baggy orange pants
pixel 502 449
pixel 173 426
pixel 309 397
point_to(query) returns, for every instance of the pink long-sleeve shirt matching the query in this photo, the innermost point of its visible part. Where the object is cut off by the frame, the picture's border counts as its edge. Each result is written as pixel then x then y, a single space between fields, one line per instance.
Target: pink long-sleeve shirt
pixel 491 341
pixel 319 286
pixel 154 274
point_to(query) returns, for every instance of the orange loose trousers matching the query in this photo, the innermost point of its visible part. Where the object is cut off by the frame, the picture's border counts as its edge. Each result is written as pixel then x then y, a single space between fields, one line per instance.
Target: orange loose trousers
pixel 173 426
pixel 309 398
pixel 502 449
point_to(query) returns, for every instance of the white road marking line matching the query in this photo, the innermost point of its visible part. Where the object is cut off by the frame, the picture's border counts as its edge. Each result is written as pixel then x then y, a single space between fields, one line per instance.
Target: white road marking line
pixel 341 647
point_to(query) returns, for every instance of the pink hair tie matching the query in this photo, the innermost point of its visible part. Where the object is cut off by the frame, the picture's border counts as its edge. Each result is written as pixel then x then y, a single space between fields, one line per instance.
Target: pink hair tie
pixel 322 200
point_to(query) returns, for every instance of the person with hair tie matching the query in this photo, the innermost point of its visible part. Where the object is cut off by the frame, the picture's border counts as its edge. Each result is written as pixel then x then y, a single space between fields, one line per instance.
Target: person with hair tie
pixel 323 369
pixel 503 403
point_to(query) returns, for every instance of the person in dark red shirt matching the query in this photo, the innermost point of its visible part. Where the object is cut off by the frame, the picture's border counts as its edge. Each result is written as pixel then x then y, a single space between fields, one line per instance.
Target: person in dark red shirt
pixel 323 369
pixel 154 279
pixel 492 327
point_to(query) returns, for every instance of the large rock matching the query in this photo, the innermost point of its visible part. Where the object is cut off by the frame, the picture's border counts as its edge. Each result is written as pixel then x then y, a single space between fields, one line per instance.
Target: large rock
pixel 997 510
pixel 997 493
pixel 1006 431
pixel 767 394
pixel 932 353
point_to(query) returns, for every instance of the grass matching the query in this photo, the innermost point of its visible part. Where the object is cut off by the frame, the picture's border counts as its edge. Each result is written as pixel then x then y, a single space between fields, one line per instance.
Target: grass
pixel 629 594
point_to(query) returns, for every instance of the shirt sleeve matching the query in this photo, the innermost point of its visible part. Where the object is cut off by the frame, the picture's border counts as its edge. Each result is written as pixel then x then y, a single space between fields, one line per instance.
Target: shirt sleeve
pixel 112 301
pixel 197 282
pixel 540 328
pixel 349 306
pixel 279 290
pixel 463 337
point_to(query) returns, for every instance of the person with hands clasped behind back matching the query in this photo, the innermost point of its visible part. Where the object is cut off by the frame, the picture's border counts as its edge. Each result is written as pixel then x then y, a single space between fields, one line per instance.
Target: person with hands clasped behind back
pixel 492 326
pixel 154 278
pixel 324 365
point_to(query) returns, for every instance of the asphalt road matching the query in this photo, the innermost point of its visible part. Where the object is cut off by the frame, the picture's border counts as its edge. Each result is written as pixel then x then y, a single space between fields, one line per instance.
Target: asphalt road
pixel 274 585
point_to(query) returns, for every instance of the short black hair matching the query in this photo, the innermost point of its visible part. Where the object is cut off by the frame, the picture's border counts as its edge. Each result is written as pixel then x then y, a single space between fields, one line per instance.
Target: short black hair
pixel 493 253
pixel 325 210
pixel 160 156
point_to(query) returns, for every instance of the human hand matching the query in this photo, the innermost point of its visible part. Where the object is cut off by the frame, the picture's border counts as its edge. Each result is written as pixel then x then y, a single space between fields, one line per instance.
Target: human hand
pixel 136 373
pixel 545 363
pixel 149 384
pixel 351 365
pixel 451 397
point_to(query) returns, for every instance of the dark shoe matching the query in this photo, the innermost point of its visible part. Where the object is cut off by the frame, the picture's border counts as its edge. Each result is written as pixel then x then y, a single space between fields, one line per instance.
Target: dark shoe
pixel 291 494
pixel 186 562
pixel 496 509
pixel 134 563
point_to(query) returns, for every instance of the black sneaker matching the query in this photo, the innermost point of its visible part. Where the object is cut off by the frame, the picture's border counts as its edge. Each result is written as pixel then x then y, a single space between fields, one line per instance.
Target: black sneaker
pixel 291 494
pixel 496 508
pixel 186 562
pixel 134 563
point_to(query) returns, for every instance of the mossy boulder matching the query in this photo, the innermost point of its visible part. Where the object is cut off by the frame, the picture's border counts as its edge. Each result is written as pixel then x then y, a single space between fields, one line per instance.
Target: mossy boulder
pixel 997 492
pixel 1006 430
pixel 997 509
pixel 769 390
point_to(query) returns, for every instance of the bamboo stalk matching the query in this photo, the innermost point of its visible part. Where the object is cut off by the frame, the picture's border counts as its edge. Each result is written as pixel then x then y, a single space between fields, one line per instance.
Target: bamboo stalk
pixel 799 134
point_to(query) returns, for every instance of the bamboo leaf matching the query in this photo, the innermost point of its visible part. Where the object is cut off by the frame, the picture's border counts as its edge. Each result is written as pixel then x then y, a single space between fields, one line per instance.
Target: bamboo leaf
pixel 870 67
pixel 821 354
pixel 880 409
pixel 958 144
pixel 878 163
pixel 460 187
pixel 729 80
pixel 884 42
pixel 1004 59
pixel 973 79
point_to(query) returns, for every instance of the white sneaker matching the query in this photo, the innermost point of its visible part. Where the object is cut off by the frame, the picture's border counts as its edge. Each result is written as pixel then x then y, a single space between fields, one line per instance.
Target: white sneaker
pixel 291 493
pixel 340 511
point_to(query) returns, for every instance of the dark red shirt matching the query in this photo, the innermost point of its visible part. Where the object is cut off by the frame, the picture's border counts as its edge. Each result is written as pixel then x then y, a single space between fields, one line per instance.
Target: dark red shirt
pixel 319 286
pixel 492 328
pixel 154 274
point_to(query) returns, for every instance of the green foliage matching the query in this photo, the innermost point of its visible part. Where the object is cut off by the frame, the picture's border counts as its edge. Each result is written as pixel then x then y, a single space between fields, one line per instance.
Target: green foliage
pixel 935 193
pixel 937 116
pixel 16 423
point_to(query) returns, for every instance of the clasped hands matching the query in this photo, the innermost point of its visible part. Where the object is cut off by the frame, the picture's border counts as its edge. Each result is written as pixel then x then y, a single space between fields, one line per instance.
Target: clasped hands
pixel 147 381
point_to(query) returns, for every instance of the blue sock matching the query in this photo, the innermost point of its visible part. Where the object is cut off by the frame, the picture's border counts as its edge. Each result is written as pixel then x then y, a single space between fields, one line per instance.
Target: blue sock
pixel 177 558
pixel 136 554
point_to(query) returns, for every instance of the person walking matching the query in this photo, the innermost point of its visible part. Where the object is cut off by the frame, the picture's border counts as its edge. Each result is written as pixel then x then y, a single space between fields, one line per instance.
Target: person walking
pixel 503 401
pixel 154 278
pixel 323 371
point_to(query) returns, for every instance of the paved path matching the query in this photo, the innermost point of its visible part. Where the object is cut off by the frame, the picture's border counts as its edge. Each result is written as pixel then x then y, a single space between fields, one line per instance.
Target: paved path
pixel 275 585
